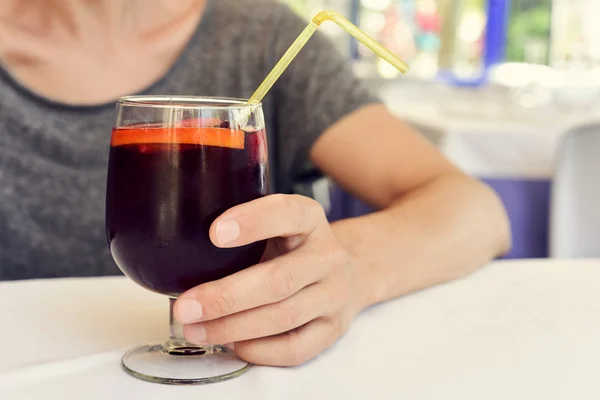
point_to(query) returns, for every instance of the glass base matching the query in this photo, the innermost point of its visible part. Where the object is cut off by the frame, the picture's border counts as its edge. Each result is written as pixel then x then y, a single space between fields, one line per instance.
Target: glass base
pixel 163 363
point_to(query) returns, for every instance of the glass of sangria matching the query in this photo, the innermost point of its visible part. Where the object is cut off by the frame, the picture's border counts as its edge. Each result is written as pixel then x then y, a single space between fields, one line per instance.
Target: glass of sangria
pixel 176 164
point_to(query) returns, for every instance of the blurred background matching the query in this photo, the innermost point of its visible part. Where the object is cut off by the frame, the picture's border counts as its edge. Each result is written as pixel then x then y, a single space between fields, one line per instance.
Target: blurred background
pixel 501 87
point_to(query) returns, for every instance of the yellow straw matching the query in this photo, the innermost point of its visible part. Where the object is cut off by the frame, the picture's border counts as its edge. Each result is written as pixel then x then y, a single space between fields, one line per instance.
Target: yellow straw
pixel 301 41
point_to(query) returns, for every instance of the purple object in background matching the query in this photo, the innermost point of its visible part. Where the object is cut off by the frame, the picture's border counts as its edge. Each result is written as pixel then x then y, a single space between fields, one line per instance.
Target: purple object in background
pixel 527 203
pixel 344 205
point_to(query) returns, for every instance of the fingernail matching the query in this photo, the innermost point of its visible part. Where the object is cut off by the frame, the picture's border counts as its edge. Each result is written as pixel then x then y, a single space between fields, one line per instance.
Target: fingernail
pixel 227 232
pixel 189 311
pixel 196 333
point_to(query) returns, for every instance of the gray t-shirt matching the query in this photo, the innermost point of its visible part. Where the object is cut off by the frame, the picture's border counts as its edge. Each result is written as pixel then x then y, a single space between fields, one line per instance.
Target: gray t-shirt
pixel 53 156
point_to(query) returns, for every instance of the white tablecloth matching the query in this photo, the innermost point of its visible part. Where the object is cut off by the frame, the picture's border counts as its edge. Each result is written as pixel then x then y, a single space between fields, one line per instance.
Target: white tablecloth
pixel 483 134
pixel 515 330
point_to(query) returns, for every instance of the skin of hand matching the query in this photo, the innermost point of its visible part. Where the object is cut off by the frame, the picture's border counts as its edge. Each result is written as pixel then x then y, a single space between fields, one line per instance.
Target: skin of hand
pixel 293 305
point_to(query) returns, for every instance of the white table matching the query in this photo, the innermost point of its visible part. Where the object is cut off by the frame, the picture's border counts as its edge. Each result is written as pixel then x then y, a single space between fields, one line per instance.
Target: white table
pixel 482 137
pixel 515 330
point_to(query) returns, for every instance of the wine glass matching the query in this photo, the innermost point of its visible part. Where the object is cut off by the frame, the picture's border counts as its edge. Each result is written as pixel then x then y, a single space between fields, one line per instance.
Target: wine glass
pixel 176 164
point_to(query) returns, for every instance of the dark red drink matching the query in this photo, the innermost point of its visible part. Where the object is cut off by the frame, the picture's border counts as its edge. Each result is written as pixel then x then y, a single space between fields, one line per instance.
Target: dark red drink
pixel 166 186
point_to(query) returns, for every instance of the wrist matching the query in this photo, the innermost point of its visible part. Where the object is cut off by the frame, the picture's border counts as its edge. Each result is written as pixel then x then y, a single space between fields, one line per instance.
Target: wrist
pixel 369 287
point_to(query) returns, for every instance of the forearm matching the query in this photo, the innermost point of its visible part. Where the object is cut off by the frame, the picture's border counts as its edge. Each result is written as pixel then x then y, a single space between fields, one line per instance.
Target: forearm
pixel 439 232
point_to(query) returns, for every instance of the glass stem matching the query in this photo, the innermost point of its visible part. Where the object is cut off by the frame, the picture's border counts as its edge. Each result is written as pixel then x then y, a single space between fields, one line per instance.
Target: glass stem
pixel 175 328
pixel 177 345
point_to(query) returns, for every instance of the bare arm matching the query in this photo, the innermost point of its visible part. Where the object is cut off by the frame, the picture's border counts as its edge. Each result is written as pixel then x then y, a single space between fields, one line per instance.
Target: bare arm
pixel 436 223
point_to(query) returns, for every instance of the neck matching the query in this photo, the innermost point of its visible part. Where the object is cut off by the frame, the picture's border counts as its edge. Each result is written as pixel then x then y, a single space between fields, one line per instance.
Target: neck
pixel 83 18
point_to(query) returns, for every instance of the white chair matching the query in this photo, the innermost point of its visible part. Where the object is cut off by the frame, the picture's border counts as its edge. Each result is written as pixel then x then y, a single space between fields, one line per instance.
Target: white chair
pixel 575 200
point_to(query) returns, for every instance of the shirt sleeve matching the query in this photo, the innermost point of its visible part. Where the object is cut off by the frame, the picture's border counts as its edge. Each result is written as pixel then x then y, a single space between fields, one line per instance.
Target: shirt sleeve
pixel 318 89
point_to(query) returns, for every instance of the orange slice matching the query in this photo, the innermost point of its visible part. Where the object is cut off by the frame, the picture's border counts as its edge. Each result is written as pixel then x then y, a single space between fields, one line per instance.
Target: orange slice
pixel 220 137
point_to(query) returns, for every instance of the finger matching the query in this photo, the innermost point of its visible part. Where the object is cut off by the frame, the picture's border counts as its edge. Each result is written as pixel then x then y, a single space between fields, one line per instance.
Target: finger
pixel 292 348
pixel 312 302
pixel 262 284
pixel 265 218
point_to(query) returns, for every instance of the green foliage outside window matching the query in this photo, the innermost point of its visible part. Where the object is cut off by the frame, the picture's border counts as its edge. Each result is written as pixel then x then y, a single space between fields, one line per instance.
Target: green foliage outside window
pixel 530 22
